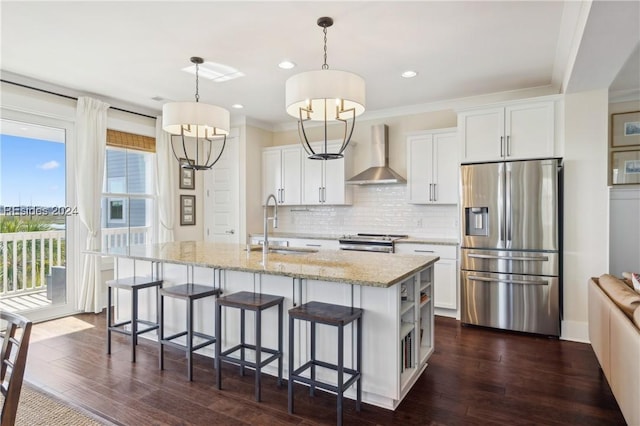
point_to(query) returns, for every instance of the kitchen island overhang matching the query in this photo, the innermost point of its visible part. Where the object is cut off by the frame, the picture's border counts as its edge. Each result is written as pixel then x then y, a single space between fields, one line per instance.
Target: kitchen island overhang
pixel 396 293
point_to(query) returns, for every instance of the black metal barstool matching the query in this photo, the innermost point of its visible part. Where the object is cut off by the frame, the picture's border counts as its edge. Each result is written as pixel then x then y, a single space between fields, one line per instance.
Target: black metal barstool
pixel 134 285
pixel 333 315
pixel 189 293
pixel 248 301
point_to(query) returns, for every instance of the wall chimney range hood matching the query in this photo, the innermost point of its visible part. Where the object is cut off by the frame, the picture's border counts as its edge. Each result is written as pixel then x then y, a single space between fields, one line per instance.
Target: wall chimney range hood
pixel 379 171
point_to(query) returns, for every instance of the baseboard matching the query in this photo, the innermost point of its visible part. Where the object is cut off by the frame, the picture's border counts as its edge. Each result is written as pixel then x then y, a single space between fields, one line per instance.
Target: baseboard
pixel 576 331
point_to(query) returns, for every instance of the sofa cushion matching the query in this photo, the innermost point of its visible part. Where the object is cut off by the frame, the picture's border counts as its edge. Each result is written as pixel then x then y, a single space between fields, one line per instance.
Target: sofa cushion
pixel 626 278
pixel 624 297
pixel 636 317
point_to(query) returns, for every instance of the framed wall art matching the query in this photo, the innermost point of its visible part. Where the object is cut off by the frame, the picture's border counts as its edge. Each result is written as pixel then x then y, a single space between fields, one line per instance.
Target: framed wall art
pixel 187 210
pixel 187 176
pixel 625 130
pixel 625 167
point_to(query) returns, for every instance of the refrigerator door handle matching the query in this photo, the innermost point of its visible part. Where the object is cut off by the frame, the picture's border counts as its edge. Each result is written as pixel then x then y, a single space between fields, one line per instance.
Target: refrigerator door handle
pixel 508 206
pixel 524 258
pixel 501 203
pixel 497 280
pixel 501 146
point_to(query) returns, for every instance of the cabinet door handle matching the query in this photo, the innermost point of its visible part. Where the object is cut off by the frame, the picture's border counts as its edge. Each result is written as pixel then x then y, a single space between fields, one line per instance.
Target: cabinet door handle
pixel 508 146
pixel 313 245
pixel 435 192
pixel 319 194
pixel 424 251
pixel 501 146
pixel 430 192
pixel 324 194
pixel 282 201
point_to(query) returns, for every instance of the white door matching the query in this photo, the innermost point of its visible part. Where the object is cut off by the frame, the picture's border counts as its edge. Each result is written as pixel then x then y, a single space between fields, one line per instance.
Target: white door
pixel 481 132
pixel 445 168
pixel 222 184
pixel 312 181
pixel 291 176
pixel 419 162
pixel 334 189
pixel 271 172
pixel 446 291
pixel 530 130
pixel 40 250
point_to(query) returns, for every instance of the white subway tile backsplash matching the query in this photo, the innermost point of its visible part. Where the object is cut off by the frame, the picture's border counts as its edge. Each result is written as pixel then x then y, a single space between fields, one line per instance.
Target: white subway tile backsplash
pixel 376 208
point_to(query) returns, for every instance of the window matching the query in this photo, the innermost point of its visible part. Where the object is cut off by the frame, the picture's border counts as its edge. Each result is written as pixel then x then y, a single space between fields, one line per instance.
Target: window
pixel 128 202
pixel 115 210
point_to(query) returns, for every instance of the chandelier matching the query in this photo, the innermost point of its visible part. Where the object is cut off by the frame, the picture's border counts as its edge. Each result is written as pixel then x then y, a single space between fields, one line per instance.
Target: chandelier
pixel 325 96
pixel 194 126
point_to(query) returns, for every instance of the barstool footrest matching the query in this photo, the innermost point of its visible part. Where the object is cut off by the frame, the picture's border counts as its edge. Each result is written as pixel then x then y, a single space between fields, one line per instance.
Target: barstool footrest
pixel 224 355
pixel 210 340
pixel 297 377
pixel 117 328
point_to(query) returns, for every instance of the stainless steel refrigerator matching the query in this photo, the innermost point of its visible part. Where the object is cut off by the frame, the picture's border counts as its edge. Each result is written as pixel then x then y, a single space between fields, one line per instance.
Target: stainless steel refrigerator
pixel 511 245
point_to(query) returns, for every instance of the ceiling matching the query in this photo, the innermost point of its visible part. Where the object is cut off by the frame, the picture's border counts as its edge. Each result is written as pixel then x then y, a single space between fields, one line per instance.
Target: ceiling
pixel 129 53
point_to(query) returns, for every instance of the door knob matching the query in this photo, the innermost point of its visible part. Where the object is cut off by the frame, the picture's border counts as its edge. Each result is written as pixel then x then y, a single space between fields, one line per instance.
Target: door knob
pixel 230 231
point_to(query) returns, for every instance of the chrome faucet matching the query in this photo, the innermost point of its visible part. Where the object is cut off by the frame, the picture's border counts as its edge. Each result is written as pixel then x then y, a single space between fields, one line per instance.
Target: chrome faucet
pixel 265 243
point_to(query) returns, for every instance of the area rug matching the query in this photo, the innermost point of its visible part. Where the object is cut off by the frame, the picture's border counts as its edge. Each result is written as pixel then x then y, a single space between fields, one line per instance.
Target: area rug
pixel 40 408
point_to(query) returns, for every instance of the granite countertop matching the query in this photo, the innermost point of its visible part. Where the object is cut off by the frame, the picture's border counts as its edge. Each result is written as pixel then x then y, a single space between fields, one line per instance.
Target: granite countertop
pixel 360 268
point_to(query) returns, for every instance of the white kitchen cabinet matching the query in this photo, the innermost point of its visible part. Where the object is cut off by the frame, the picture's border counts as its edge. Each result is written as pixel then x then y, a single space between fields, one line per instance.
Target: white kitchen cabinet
pixel 432 167
pixel 323 181
pixel 314 243
pixel 445 272
pixel 282 173
pixel 513 131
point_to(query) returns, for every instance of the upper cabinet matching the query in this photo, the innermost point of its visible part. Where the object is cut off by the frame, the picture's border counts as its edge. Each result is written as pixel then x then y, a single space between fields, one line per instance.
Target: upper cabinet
pixel 514 131
pixel 432 167
pixel 294 179
pixel 282 173
pixel 323 181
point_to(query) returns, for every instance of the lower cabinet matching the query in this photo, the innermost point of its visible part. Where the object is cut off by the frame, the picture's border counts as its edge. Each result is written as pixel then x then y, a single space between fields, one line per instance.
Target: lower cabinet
pixel 445 271
pixel 313 243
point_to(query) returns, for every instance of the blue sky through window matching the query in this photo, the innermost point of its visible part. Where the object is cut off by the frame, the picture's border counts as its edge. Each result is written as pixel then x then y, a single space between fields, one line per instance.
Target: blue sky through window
pixel 32 172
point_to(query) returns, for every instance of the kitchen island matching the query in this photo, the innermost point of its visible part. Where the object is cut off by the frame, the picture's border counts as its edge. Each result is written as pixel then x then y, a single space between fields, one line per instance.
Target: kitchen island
pixel 396 293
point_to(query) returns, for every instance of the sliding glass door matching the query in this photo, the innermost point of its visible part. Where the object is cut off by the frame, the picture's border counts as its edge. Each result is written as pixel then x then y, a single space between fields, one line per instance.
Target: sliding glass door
pixel 35 216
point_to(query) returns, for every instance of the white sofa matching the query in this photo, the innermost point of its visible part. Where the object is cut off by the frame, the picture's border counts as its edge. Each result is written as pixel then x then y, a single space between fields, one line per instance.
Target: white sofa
pixel 615 338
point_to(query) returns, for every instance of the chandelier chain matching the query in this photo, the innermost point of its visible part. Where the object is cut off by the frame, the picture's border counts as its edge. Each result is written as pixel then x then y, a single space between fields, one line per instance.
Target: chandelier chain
pixel 325 66
pixel 197 88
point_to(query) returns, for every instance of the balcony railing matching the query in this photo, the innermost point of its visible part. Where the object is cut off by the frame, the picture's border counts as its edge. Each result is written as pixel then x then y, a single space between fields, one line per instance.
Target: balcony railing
pixel 123 237
pixel 26 258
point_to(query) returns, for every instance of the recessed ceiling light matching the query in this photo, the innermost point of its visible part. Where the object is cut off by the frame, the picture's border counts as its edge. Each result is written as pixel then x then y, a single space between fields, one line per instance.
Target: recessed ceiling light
pixel 286 65
pixel 409 74
pixel 237 106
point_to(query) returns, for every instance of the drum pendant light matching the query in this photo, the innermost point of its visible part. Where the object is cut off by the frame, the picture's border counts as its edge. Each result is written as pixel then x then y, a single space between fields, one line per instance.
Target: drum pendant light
pixel 326 96
pixel 196 126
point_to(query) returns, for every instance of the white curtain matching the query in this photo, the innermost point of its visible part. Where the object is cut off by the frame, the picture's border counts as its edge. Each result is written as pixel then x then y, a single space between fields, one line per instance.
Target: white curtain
pixel 166 164
pixel 91 140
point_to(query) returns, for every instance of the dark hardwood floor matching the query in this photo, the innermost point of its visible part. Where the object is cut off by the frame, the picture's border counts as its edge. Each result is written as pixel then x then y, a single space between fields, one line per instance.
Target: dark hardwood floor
pixel 475 377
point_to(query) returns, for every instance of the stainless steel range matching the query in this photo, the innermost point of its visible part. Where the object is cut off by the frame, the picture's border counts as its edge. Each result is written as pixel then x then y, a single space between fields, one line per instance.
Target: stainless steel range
pixel 384 243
